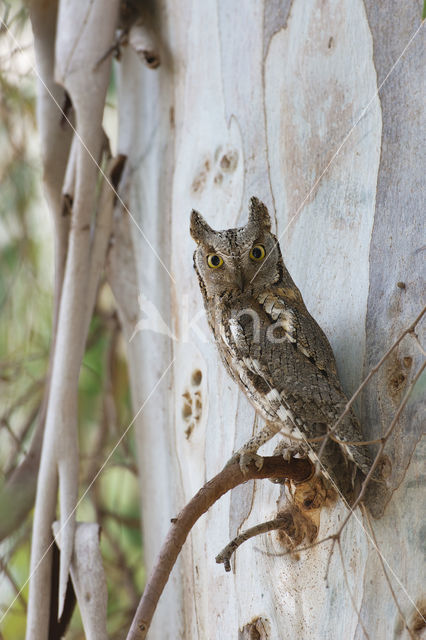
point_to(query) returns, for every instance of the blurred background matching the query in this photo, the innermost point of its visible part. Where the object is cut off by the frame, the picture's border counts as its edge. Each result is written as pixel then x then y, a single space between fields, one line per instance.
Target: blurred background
pixel 26 286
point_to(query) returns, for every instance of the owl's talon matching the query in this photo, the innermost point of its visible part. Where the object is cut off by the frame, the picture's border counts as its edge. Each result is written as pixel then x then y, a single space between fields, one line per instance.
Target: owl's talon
pixel 245 459
pixel 288 451
pixel 287 454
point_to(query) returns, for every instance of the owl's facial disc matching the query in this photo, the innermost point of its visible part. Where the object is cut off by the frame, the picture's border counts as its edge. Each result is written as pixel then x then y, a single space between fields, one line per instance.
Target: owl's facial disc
pixel 245 259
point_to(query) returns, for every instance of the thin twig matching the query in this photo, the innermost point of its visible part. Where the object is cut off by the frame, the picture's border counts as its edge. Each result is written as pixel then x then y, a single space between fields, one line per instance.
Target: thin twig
pixel 374 370
pixel 24 430
pixel 355 443
pixel 308 547
pixel 225 555
pixel 336 536
pixel 24 397
pixel 125 521
pixel 418 343
pixel 382 446
pixel 15 586
pixel 125 572
pixel 229 478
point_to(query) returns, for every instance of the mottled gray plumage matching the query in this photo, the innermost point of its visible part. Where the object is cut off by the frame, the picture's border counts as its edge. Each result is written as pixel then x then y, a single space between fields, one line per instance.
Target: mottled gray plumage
pixel 269 342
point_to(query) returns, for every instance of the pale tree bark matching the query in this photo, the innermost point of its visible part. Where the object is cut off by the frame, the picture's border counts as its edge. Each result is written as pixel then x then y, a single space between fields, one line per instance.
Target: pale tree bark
pixel 288 101
pixel 314 108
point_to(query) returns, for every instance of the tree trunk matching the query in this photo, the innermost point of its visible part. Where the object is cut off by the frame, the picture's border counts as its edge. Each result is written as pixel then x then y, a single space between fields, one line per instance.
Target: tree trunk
pixel 299 104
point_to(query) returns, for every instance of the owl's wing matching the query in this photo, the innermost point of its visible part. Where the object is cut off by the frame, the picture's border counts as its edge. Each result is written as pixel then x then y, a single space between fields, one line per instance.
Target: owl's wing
pixel 291 379
pixel 289 373
pixel 286 309
pixel 290 366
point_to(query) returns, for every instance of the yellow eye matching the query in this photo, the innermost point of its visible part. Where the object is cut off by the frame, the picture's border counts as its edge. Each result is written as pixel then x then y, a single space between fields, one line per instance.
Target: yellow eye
pixel 257 252
pixel 214 261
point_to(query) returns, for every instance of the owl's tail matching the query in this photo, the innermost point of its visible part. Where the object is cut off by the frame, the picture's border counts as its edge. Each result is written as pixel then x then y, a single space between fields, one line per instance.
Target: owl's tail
pixel 350 437
pixel 359 455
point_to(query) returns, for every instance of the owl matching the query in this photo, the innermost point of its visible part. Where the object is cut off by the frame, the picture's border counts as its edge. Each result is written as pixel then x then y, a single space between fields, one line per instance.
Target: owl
pixel 271 345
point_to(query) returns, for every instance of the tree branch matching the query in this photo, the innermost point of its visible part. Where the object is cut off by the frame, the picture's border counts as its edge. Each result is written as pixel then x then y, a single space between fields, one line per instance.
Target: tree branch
pixel 225 555
pixel 230 477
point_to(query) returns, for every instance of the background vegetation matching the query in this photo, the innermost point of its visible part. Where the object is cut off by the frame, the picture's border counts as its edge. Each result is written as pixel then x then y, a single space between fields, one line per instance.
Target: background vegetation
pixel 26 285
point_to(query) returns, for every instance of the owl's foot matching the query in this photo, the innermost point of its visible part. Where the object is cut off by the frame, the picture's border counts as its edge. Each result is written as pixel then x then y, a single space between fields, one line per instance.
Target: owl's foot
pixel 288 451
pixel 248 452
pixel 245 458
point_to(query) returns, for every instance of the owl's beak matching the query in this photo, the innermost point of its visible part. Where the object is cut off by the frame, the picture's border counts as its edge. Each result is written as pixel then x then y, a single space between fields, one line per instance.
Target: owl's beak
pixel 240 280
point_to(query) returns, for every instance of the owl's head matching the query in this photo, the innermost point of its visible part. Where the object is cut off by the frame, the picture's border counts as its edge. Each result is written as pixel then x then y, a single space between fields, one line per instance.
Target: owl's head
pixel 246 258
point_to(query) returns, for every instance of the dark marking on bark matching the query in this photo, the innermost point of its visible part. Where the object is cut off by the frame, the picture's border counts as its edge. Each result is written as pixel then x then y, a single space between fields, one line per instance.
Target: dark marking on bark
pixel 258 628
pixel 67 203
pixel 66 109
pixel 196 378
pixel 117 170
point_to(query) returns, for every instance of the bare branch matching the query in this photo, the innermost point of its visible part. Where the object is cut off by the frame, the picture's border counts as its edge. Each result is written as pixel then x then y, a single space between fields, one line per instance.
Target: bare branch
pixel 230 477
pixel 225 555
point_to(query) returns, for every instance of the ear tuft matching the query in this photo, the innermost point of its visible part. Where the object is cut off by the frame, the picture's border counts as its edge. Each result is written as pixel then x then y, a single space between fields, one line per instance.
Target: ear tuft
pixel 259 215
pixel 199 228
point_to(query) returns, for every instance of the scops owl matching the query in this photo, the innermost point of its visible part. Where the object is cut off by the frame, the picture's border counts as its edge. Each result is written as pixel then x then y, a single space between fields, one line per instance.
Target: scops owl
pixel 271 345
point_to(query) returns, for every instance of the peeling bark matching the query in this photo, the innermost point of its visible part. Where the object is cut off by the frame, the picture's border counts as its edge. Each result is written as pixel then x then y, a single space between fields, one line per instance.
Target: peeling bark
pixel 92 30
